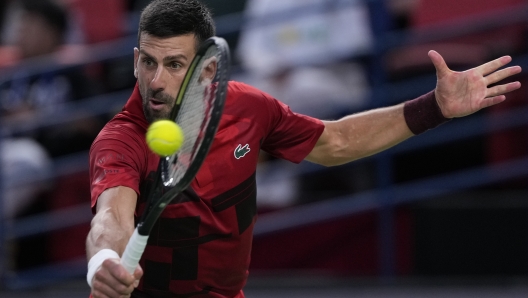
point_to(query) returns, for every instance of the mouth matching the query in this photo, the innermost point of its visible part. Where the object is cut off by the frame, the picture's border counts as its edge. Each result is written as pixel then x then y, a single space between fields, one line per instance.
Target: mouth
pixel 156 104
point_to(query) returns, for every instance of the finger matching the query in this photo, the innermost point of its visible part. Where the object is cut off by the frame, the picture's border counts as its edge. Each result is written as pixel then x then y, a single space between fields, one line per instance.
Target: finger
pixel 103 290
pixel 502 74
pixel 502 89
pixel 137 275
pixel 490 101
pixel 118 271
pixel 114 275
pixel 107 284
pixel 493 65
pixel 439 63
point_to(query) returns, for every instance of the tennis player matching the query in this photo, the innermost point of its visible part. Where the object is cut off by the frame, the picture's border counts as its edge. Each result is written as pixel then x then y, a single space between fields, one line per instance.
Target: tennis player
pixel 201 246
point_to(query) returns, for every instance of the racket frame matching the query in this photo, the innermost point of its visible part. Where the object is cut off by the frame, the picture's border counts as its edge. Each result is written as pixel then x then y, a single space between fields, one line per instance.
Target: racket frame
pixel 155 207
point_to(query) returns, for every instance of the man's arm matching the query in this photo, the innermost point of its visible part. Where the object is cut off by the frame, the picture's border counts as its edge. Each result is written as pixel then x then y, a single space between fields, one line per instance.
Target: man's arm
pixel 111 227
pixel 457 94
pixel 360 135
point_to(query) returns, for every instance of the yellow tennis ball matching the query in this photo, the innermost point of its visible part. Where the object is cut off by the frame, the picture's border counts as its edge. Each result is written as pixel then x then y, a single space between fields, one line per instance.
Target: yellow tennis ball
pixel 164 137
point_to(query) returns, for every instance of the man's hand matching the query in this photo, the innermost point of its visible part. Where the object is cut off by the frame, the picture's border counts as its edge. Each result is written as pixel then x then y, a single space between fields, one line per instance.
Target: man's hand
pixel 462 93
pixel 112 280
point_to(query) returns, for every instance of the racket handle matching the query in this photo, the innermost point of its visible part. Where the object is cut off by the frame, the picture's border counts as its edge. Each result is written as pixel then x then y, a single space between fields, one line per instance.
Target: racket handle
pixel 133 251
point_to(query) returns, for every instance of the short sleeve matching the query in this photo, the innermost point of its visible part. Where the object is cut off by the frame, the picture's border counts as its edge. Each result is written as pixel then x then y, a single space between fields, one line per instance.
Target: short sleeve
pixel 290 135
pixel 114 163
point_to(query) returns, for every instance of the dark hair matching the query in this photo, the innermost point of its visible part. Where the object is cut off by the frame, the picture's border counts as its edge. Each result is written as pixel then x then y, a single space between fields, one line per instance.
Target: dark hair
pixel 53 13
pixel 168 18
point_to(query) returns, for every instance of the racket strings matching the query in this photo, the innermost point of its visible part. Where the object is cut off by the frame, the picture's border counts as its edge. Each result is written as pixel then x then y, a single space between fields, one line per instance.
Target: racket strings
pixel 193 118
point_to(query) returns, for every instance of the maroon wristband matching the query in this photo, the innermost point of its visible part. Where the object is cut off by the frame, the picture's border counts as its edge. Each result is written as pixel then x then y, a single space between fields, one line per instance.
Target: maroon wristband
pixel 423 113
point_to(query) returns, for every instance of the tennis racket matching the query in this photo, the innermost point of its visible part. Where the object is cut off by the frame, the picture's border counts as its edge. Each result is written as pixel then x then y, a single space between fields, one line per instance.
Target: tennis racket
pixel 197 111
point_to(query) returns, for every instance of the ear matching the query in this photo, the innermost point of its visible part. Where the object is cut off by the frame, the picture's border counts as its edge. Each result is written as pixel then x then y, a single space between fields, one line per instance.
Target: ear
pixel 136 58
pixel 209 70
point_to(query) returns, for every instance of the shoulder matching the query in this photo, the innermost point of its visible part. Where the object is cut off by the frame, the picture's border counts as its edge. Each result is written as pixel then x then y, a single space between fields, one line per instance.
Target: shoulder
pixel 121 132
pixel 243 96
pixel 237 91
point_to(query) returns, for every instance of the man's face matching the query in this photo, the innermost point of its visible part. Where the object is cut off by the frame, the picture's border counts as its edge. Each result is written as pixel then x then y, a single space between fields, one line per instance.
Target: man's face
pixel 160 66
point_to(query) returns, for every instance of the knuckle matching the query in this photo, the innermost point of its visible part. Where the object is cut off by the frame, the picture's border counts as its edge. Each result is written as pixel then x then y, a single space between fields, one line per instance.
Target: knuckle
pixel 96 283
pixel 96 294
pixel 98 277
pixel 123 289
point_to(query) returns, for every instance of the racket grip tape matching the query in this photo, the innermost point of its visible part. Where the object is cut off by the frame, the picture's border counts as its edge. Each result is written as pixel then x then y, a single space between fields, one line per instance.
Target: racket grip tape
pixel 133 251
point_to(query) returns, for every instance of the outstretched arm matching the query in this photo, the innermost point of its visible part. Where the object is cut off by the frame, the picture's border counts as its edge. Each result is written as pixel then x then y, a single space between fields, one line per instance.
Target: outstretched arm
pixel 457 94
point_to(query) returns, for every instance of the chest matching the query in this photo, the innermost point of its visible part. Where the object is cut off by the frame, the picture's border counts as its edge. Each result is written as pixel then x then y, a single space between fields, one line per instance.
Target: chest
pixel 233 157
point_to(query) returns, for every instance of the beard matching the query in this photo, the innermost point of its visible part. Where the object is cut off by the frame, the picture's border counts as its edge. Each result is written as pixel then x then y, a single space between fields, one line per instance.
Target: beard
pixel 153 115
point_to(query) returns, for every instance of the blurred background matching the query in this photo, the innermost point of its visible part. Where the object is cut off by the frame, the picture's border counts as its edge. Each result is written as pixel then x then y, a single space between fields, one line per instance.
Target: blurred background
pixel 444 214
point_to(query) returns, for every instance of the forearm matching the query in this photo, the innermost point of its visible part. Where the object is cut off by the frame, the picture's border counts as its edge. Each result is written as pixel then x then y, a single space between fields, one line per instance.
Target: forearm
pixel 370 132
pixel 113 224
pixel 360 135
pixel 107 231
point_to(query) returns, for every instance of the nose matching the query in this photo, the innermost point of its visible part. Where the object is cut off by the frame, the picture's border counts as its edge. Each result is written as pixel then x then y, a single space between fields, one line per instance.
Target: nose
pixel 158 82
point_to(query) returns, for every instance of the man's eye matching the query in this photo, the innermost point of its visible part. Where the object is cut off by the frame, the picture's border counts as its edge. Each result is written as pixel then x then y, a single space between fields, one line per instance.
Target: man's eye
pixel 175 65
pixel 148 62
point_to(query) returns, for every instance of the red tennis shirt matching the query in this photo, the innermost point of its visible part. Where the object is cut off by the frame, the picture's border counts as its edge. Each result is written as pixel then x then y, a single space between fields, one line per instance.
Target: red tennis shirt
pixel 200 246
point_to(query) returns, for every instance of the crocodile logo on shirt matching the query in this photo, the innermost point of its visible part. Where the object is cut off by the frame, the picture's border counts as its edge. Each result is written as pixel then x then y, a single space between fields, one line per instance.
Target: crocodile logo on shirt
pixel 241 151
